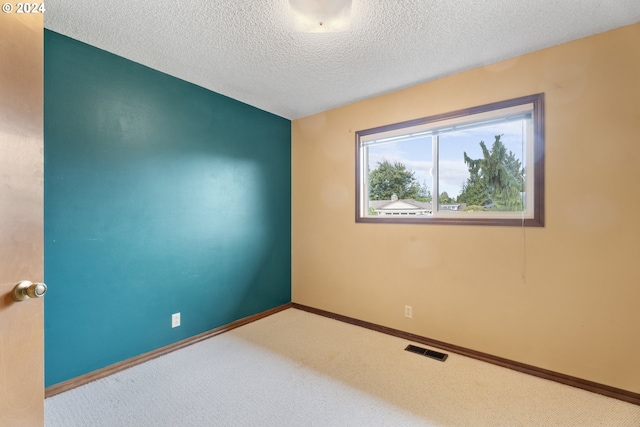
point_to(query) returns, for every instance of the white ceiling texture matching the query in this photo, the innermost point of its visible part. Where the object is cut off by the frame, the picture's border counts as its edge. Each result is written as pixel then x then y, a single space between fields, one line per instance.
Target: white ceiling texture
pixel 250 50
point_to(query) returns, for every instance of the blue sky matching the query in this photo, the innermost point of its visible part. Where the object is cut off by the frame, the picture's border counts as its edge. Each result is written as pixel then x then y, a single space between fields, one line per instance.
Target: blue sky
pixel 417 154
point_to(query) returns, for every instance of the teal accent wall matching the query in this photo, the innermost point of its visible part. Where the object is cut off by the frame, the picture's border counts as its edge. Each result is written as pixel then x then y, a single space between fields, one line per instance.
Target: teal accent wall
pixel 160 197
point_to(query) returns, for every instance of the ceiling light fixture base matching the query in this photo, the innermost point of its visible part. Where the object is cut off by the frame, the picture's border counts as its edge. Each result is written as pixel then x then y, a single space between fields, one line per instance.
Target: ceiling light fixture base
pixel 321 16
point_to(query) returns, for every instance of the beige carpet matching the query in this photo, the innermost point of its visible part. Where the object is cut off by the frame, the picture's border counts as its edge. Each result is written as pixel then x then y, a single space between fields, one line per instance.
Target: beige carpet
pixel 298 369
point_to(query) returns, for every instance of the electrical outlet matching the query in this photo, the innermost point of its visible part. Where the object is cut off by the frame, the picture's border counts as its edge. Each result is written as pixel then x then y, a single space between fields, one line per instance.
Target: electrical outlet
pixel 408 311
pixel 175 320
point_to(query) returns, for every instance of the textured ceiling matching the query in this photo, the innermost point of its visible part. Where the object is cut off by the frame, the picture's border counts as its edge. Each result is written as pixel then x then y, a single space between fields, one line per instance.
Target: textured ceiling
pixel 250 51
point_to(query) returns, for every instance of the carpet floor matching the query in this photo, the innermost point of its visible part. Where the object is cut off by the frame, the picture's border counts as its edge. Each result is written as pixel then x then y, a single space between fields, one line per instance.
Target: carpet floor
pixel 294 368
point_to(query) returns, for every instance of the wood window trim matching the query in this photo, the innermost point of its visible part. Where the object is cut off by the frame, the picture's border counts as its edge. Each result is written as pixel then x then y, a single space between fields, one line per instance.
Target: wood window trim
pixel 538 218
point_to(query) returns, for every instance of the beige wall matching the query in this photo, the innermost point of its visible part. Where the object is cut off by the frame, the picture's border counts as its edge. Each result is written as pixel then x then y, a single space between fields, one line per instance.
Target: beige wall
pixel 565 297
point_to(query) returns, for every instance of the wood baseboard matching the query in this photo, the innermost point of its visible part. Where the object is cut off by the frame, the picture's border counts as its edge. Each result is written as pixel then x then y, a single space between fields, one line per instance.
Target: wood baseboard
pixel 120 366
pixel 591 386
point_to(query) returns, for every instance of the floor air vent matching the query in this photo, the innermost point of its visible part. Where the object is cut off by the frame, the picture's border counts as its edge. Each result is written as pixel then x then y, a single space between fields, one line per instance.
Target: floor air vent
pixel 425 352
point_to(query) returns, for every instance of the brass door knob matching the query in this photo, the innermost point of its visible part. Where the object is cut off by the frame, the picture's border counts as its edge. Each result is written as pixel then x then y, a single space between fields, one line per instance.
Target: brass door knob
pixel 25 290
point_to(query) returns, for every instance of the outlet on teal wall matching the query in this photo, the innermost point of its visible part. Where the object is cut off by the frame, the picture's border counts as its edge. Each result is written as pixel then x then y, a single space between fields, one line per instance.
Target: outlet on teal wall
pixel 160 197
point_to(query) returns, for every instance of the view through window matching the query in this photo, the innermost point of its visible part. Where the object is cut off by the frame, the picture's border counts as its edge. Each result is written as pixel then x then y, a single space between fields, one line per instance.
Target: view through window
pixel 482 165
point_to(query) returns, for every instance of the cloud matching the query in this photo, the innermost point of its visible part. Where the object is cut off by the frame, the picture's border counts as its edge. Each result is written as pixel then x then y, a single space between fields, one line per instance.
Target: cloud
pixel 452 175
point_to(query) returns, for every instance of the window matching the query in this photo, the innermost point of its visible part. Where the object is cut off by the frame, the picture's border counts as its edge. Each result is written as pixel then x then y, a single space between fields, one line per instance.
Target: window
pixel 479 166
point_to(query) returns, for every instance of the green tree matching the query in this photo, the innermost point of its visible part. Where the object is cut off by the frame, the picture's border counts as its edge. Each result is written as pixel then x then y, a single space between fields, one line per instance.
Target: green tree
pixel 508 196
pixel 496 179
pixel 424 194
pixel 444 198
pixel 392 178
pixel 473 191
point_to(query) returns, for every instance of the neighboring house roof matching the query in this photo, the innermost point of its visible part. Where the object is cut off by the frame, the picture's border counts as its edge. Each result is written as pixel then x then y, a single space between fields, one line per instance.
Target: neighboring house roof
pixel 453 206
pixel 410 206
pixel 403 206
pixel 375 204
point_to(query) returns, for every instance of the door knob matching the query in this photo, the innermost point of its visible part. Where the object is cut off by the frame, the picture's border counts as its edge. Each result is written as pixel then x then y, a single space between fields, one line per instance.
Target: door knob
pixel 25 290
